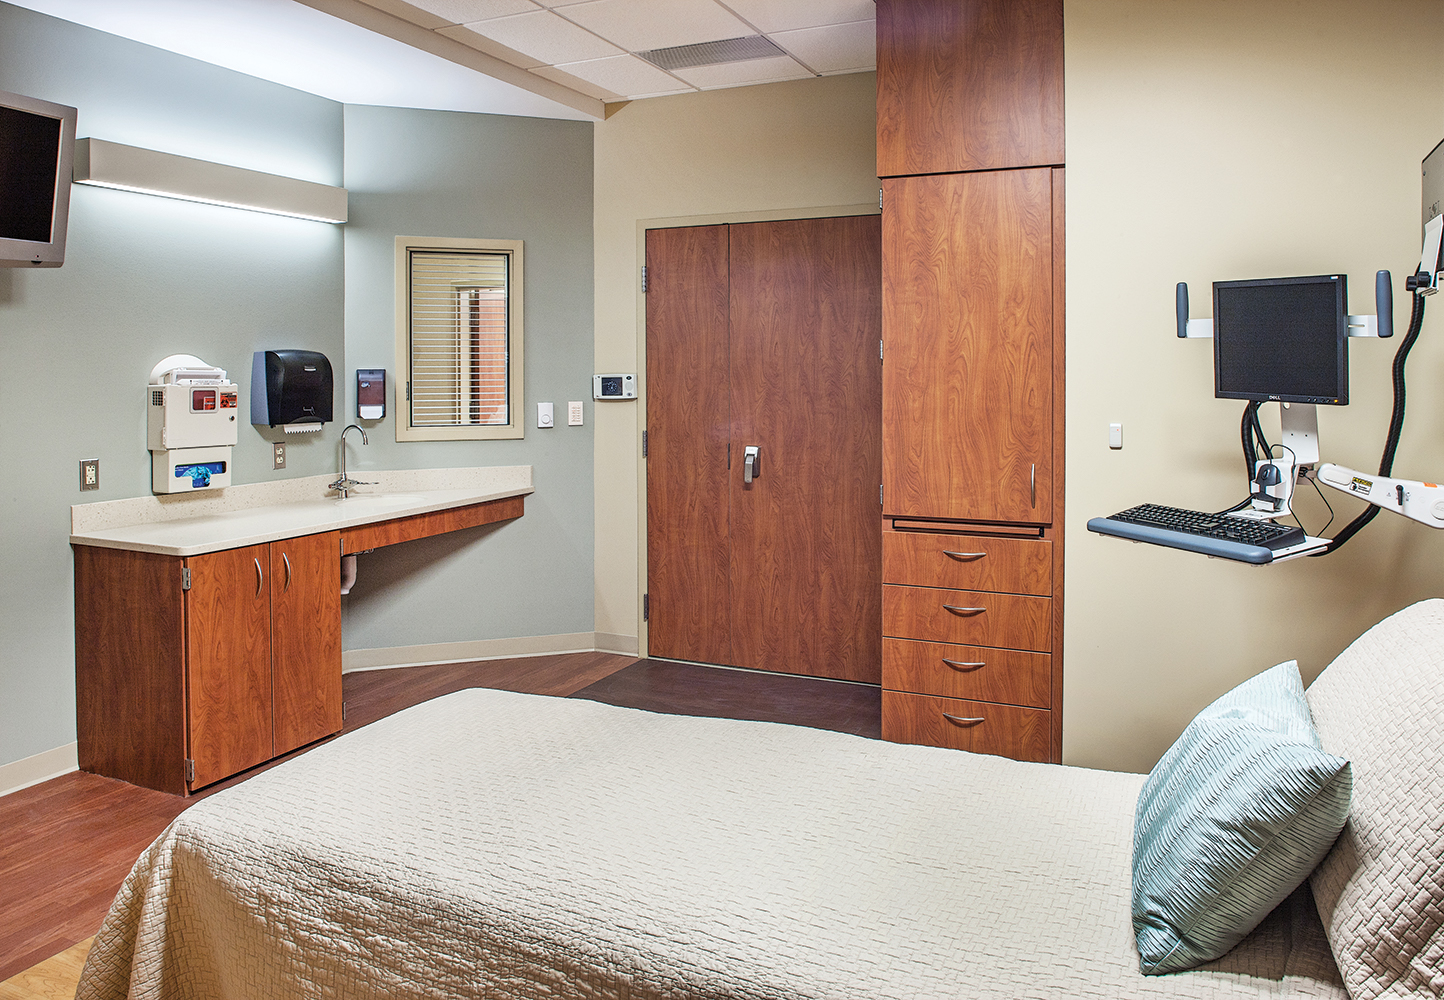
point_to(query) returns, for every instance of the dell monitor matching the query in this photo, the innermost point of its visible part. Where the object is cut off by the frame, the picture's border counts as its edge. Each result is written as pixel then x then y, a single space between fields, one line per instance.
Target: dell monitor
pixel 1283 339
pixel 37 141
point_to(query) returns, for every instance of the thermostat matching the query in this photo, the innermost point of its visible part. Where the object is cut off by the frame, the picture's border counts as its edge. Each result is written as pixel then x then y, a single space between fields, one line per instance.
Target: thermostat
pixel 614 387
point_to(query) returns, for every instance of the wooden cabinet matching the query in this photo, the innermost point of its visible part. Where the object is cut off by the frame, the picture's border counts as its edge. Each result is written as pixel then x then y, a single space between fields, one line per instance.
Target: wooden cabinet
pixel 968 346
pixel 968 85
pixel 970 146
pixel 191 669
pixel 968 668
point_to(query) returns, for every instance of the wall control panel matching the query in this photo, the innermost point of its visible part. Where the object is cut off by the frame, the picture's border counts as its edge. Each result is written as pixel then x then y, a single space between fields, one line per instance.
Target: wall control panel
pixel 620 386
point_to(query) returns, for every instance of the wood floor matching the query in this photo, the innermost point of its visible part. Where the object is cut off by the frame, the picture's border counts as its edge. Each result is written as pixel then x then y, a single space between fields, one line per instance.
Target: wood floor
pixel 69 842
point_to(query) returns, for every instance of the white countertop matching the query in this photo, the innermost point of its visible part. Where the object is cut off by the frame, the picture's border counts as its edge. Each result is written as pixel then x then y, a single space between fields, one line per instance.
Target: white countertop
pixel 189 525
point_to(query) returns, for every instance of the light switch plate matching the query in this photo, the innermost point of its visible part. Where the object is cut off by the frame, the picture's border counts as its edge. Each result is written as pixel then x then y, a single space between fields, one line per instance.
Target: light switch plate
pixel 544 415
pixel 574 413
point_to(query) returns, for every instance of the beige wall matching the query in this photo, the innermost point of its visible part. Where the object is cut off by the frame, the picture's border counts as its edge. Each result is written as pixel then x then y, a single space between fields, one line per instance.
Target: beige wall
pixel 1209 141
pixel 751 151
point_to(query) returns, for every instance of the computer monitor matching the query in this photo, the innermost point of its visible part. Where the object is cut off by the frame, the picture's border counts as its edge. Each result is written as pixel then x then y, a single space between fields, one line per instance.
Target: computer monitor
pixel 1284 339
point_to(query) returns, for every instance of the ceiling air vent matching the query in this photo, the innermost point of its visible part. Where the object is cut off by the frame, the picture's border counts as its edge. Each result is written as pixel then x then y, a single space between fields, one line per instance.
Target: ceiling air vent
pixel 727 50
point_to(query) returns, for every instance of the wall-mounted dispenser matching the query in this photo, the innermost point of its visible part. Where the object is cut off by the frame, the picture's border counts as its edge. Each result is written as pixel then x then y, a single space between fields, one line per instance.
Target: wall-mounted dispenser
pixel 370 393
pixel 291 388
pixel 190 425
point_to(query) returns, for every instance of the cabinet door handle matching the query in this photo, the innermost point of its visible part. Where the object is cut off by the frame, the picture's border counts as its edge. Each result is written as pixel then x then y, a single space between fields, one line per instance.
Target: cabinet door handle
pixel 957 665
pixel 260 577
pixel 964 611
pixel 1033 484
pixel 958 720
pixel 285 559
pixel 964 555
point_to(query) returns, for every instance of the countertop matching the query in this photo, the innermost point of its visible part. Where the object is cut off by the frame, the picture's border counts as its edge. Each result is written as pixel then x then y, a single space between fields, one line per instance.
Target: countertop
pixel 189 525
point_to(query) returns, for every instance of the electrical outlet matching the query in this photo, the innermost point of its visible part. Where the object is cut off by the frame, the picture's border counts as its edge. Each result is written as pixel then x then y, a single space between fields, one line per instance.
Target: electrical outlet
pixel 278 455
pixel 89 474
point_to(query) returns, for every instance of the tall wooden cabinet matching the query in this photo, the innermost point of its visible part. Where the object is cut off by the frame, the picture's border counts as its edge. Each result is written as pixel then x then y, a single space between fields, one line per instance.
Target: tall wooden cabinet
pixel 970 136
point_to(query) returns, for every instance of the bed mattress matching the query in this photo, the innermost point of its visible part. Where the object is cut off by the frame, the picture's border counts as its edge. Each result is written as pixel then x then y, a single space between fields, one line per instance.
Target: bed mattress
pixel 516 846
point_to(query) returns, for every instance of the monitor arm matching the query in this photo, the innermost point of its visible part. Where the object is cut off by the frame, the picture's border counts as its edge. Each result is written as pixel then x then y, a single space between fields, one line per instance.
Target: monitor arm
pixel 1418 501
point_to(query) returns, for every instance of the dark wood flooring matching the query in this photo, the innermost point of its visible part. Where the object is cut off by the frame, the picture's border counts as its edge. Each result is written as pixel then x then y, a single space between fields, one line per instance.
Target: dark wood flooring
pixel 67 844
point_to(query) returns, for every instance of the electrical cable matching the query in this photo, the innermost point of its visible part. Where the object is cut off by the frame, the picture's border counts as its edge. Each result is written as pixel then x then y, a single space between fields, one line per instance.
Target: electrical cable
pixel 1396 426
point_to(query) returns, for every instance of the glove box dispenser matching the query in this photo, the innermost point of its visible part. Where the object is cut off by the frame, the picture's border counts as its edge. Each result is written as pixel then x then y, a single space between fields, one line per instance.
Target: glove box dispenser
pixel 190 425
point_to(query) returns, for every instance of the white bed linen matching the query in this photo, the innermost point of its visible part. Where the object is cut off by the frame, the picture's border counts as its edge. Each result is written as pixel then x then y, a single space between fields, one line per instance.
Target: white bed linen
pixel 515 846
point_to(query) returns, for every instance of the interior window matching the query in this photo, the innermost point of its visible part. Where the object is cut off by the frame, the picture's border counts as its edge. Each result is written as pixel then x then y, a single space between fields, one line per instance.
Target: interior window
pixel 458 338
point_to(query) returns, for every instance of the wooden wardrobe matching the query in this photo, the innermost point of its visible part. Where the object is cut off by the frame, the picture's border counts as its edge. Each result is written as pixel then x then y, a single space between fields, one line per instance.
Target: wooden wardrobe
pixel 970 152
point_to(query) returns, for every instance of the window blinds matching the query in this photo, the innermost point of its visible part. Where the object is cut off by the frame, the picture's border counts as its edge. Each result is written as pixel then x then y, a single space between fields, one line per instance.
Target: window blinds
pixel 459 338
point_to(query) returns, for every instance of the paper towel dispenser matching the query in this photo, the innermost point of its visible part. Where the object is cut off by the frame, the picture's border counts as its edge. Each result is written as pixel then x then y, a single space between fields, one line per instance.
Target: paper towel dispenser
pixel 292 389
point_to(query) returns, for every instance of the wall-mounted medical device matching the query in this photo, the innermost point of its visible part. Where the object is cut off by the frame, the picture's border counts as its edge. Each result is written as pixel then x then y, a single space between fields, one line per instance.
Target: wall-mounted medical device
pixel 291 388
pixel 370 393
pixel 191 425
pixel 621 386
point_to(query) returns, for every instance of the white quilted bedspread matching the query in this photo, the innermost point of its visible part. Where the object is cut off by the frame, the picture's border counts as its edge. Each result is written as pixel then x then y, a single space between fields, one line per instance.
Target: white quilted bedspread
pixel 514 846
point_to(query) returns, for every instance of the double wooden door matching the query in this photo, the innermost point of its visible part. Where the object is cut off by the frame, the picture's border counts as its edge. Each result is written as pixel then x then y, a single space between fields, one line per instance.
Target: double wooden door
pixel 765 335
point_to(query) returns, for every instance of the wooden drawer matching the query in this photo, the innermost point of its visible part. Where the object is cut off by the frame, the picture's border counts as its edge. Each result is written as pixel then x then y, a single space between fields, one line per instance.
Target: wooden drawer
pixel 1006 620
pixel 968 562
pixel 977 673
pixel 1020 733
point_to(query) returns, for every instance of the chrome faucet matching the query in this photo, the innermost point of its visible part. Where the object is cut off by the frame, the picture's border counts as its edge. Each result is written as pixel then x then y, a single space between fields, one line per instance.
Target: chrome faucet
pixel 344 484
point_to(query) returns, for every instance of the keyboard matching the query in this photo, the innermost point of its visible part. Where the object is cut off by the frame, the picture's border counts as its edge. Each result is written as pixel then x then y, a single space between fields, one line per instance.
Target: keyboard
pixel 1224 527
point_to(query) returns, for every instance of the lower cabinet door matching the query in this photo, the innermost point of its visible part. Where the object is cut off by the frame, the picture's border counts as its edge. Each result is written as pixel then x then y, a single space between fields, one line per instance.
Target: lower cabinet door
pixel 1005 730
pixel 306 638
pixel 228 662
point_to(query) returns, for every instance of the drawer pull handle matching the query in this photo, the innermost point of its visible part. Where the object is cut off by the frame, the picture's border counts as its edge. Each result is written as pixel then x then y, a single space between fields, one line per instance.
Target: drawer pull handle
pixel 964 611
pixel 958 720
pixel 956 665
pixel 964 555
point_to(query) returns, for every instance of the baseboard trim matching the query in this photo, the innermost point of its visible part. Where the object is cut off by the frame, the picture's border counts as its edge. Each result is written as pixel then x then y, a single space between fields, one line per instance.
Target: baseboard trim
pixel 387 657
pixel 41 767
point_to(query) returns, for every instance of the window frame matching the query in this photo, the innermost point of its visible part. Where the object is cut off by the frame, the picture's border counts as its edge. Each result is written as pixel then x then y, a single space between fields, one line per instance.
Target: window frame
pixel 516 425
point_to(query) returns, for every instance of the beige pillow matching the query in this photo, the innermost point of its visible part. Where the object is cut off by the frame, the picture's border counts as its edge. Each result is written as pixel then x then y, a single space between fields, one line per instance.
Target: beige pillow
pixel 1380 890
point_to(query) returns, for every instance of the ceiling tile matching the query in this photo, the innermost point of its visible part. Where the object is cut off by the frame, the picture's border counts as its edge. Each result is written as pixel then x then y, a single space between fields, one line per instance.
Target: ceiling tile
pixel 545 36
pixel 740 74
pixel 628 76
pixel 638 25
pixel 492 48
pixel 462 11
pixel 771 15
pixel 837 48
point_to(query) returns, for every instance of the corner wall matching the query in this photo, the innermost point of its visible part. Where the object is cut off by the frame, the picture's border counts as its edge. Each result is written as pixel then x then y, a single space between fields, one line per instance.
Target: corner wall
pixel 1214 141
pixel 778 147
pixel 445 173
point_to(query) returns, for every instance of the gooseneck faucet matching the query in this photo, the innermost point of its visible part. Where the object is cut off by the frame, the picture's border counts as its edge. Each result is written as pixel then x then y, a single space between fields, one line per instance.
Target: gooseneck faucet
pixel 344 484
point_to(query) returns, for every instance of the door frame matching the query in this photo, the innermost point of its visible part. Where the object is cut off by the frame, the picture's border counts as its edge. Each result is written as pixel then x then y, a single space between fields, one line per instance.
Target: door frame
pixel 677 222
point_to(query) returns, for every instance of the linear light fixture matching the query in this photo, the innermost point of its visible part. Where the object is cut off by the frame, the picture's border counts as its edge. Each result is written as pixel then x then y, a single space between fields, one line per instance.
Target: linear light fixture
pixel 130 168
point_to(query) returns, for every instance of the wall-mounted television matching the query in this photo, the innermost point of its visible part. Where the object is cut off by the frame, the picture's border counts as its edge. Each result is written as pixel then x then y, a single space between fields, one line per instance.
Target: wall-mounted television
pixel 37 141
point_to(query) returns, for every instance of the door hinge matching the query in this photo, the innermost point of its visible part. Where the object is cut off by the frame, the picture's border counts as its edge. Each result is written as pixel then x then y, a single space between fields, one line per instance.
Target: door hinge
pixel 879 199
pixel 879 494
pixel 644 279
pixel 408 391
pixel 190 770
pixel 879 350
pixel 343 711
pixel 644 444
pixel 646 607
pixel 185 578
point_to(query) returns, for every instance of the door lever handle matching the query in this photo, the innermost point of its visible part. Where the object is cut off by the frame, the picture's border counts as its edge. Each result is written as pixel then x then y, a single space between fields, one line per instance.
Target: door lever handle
pixel 751 463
